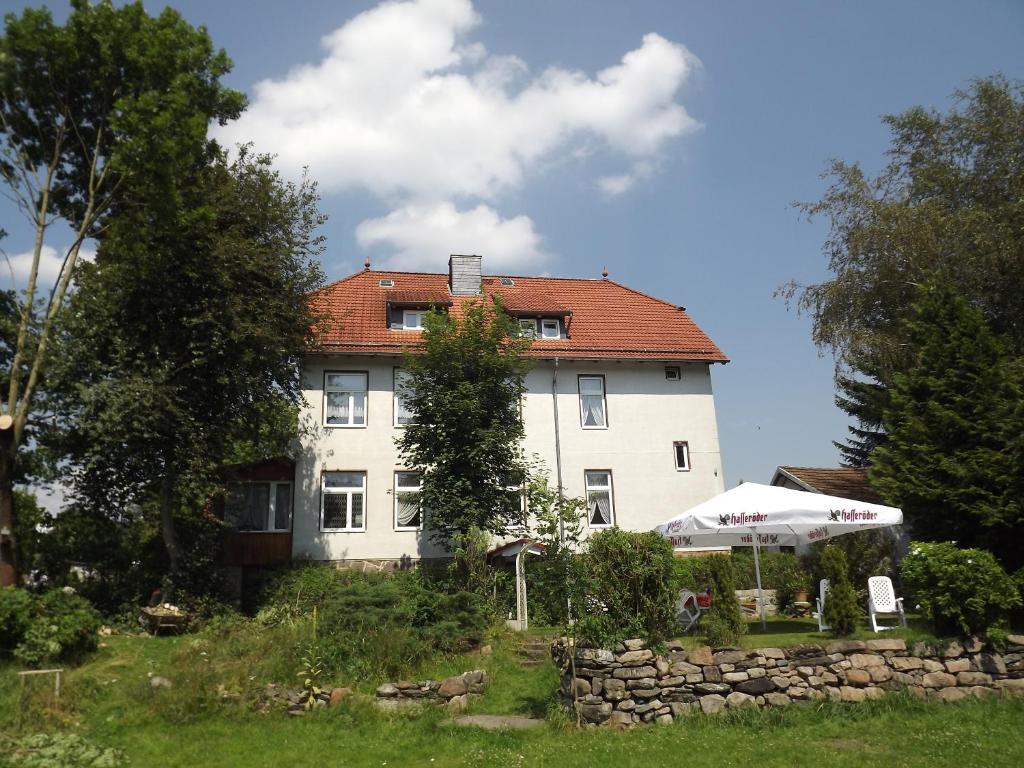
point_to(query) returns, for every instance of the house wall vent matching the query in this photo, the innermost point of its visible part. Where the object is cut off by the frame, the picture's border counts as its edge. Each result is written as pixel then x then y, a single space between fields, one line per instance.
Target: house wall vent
pixel 464 275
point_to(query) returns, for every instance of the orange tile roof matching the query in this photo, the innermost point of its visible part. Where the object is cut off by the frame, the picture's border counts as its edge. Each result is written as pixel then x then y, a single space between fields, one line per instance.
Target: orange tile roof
pixel 604 319
pixel 847 482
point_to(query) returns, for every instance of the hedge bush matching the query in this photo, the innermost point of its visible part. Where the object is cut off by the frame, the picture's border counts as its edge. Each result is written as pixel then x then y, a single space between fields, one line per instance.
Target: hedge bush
pixel 63 627
pixel 842 609
pixel 15 616
pixel 631 582
pixel 781 571
pixel 962 591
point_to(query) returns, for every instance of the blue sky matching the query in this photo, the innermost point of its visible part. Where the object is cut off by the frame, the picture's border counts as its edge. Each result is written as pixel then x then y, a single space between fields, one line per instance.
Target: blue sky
pixel 664 140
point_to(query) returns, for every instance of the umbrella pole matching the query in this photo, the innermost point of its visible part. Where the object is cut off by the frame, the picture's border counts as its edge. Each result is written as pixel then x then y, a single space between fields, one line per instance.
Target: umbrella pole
pixel 760 592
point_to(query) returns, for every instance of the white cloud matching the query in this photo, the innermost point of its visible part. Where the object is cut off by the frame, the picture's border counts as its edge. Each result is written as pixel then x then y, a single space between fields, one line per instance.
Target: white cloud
pixel 403 105
pixel 50 262
pixel 417 236
pixel 613 186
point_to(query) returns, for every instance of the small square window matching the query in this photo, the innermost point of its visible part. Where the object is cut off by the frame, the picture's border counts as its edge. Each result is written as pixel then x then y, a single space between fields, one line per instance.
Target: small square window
pixel 550 329
pixel 528 328
pixel 386 283
pixel 672 373
pixel 412 319
pixel 682 454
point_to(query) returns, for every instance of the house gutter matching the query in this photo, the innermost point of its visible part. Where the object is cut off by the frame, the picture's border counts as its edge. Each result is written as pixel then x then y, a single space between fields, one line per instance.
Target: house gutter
pixel 558 451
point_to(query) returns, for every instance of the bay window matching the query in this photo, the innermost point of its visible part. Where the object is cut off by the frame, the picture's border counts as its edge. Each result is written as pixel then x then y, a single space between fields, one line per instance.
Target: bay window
pixel 258 507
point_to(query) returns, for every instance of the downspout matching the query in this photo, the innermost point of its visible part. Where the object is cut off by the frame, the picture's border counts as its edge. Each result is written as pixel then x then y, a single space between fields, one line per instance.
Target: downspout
pixel 558 451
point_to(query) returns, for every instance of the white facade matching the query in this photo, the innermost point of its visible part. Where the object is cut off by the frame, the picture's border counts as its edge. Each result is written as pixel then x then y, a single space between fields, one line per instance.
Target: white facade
pixel 646 414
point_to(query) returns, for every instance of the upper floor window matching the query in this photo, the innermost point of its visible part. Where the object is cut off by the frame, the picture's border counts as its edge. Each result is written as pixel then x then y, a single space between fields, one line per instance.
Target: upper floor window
pixel 342 501
pixel 412 319
pixel 528 328
pixel 402 391
pixel 258 506
pixel 408 510
pixel 592 402
pixel 600 512
pixel 550 329
pixel 345 399
pixel 681 449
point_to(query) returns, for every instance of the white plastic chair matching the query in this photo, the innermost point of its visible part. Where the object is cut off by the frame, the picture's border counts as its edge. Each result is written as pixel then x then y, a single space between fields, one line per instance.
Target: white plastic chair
pixel 819 604
pixel 882 600
pixel 687 609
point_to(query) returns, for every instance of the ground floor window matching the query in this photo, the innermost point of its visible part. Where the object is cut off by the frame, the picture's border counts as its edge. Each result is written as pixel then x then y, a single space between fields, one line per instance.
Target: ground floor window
pixel 600 512
pixel 408 511
pixel 342 501
pixel 255 506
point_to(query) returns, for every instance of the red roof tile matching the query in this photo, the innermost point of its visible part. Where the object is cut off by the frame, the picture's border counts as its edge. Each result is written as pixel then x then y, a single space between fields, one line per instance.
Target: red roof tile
pixel 604 319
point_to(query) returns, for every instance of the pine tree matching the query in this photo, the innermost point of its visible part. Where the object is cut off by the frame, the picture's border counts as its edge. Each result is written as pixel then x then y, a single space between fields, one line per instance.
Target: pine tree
pixel 953 457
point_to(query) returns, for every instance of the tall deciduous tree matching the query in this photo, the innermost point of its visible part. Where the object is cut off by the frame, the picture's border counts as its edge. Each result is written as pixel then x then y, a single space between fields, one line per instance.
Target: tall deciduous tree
pixel 948 201
pixel 112 95
pixel 465 390
pixel 952 460
pixel 183 339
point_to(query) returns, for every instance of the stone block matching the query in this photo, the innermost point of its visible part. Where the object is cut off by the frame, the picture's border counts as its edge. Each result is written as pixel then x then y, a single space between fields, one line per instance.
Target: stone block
pixel 953 649
pixel 634 673
pixel 756 687
pixel 980 691
pixel 723 668
pixel 338 695
pixel 1014 685
pixel 737 699
pixel 696 677
pixel 457 686
pixel 938 680
pixel 845 646
pixel 712 674
pixel 665 719
pixel 595 656
pixel 683 668
pixel 626 706
pixel 973 678
pixel 905 663
pixel 781 683
pixel 886 644
pixel 672 682
pixel 456 705
pixel 728 657
pixel 650 706
pixel 701 656
pixel 865 660
pixel 988 662
pixel 620 720
pixel 682 708
pixel 613 684
pixel 777 700
pixel 597 685
pixel 930 665
pixel 634 645
pixel 756 672
pixel 712 704
pixel 735 677
pixel 595 713
pixel 859 677
pixel 880 674
pixel 387 691
pixel 849 694
pixel 705 689
pixel 644 682
pixel 633 657
pixel 771 653
pixel 805 672
pixel 950 695
pixel 662 665
pixel 958 665
pixel 874 693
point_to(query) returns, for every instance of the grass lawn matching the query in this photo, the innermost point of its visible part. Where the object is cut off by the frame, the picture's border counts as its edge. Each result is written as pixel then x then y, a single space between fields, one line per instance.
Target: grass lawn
pixel 109 701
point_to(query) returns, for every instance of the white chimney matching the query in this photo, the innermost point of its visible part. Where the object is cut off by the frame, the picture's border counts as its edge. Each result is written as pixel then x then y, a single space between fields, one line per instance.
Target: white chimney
pixel 464 275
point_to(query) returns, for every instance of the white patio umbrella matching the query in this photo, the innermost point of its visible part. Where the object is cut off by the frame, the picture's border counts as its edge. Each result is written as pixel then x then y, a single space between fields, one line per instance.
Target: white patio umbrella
pixel 755 515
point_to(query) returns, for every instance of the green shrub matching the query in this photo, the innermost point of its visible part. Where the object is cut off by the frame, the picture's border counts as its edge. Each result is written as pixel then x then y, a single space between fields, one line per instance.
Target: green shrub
pixel 631 576
pixel 63 627
pixel 15 615
pixel 868 553
pixel 60 750
pixel 781 571
pixel 960 590
pixel 841 607
pixel 723 623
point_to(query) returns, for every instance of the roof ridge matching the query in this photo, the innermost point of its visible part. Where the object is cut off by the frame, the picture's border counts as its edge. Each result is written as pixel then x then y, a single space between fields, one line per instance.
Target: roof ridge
pixel 646 295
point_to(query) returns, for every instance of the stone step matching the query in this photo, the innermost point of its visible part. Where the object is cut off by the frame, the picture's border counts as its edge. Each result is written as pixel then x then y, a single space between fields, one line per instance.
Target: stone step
pixel 532 654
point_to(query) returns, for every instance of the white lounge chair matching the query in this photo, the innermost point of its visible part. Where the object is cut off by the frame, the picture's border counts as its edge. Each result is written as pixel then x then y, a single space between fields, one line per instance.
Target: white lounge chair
pixel 882 600
pixel 819 606
pixel 687 609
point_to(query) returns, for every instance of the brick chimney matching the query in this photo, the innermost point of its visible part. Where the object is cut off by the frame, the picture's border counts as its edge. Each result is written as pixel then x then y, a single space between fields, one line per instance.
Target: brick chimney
pixel 464 275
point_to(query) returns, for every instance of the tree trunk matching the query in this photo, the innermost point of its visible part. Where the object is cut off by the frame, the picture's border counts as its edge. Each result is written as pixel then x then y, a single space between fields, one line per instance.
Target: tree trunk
pixel 8 563
pixel 170 535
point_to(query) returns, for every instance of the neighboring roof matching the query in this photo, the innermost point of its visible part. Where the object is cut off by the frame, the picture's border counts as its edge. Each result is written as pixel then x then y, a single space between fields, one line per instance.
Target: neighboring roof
pixel 606 319
pixel 848 482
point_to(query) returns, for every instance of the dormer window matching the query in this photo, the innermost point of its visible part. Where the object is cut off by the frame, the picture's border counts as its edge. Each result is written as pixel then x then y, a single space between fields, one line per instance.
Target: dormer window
pixel 550 329
pixel 412 319
pixel 386 282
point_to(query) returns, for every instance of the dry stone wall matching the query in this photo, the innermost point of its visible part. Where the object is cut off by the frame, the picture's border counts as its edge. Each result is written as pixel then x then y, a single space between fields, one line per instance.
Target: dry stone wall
pixel 454 692
pixel 630 684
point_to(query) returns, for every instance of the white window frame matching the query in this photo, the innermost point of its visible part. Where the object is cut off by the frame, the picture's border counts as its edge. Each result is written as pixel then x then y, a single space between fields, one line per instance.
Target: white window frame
pixel 528 328
pixel 685 445
pixel 396 399
pixel 545 325
pixel 347 492
pixel 597 488
pixel 271 520
pixel 604 400
pixel 351 399
pixel 407 489
pixel 419 314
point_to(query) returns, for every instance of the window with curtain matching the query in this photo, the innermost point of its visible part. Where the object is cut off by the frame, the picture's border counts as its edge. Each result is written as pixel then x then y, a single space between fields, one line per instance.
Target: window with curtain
pixel 342 505
pixel 592 402
pixel 254 507
pixel 600 513
pixel 345 399
pixel 408 512
pixel 402 389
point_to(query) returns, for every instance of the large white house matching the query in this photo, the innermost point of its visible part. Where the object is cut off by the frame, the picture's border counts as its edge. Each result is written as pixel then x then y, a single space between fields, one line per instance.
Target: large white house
pixel 618 405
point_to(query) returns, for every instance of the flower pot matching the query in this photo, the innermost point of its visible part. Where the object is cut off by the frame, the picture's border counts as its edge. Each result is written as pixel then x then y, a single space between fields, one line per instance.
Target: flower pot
pixel 800 597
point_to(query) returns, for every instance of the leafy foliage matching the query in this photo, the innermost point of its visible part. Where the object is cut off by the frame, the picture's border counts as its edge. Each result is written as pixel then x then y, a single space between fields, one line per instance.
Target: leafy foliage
pixel 631 587
pixel 722 623
pixel 60 750
pixel 466 386
pixel 954 456
pixel 963 591
pixel 15 616
pixel 841 607
pixel 63 627
pixel 947 202
pixel 781 571
pixel 868 553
